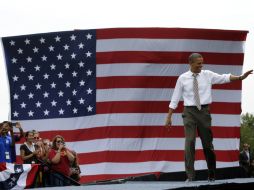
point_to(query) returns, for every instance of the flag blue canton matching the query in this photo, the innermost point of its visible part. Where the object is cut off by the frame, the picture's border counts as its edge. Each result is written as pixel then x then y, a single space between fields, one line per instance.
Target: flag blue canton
pixel 52 75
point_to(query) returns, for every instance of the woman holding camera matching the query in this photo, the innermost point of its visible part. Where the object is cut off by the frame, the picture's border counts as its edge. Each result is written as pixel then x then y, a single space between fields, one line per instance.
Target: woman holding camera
pixel 60 158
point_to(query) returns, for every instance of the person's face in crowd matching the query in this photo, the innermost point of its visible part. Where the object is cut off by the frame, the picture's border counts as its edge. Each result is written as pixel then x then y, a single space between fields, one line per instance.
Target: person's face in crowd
pixel 59 141
pixel 30 137
pixel 36 136
pixel 5 128
pixel 246 146
pixel 197 64
pixel 46 143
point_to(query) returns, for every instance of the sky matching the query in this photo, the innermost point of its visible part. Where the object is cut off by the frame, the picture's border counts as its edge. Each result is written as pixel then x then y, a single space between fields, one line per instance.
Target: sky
pixel 29 16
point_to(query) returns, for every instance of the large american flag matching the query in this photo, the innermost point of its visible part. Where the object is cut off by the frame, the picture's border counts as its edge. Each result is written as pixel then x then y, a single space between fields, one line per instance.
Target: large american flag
pixel 116 124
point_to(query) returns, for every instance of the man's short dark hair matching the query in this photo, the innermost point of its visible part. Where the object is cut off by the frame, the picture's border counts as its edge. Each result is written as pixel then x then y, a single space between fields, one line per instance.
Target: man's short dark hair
pixel 194 56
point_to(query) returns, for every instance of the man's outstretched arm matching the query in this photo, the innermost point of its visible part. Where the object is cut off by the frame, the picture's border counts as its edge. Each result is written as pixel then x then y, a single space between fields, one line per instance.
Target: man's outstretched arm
pixel 241 77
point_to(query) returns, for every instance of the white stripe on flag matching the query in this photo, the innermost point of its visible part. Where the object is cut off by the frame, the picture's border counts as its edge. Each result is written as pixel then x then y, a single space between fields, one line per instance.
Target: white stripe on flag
pixel 5 174
pixel 143 144
pixel 130 119
pixel 23 177
pixel 158 94
pixel 143 167
pixel 167 45
pixel 150 69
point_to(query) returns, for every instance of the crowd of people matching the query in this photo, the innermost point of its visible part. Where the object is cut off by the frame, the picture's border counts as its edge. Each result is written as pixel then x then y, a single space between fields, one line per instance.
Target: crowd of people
pixel 58 164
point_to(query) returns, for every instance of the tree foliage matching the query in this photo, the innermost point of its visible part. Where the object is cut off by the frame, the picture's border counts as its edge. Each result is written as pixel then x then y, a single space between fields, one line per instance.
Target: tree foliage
pixel 247 131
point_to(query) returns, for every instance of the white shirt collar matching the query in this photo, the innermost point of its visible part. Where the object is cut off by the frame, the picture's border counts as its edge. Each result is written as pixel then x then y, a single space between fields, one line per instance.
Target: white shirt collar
pixel 190 73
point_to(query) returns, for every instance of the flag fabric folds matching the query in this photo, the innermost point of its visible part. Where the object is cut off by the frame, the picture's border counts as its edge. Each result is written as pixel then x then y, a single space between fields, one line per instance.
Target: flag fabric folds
pixel 16 176
pixel 121 132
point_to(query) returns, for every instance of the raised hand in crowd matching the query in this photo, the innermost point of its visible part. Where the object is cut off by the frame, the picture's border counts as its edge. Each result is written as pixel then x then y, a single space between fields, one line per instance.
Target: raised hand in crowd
pixel 18 126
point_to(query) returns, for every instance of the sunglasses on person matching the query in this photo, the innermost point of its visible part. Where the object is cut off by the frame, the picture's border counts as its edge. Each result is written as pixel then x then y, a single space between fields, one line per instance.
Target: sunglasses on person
pixel 36 138
pixel 59 141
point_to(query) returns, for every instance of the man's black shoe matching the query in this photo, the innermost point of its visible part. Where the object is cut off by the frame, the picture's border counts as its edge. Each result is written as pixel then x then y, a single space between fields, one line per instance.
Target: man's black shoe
pixel 189 180
pixel 211 175
pixel 211 179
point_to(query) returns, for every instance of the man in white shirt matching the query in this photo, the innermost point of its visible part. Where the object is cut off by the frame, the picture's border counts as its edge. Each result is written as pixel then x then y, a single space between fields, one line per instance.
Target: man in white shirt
pixel 195 86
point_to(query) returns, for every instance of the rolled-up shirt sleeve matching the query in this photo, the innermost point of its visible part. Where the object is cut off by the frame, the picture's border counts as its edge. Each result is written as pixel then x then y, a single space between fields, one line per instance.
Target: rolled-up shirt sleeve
pixel 177 94
pixel 219 79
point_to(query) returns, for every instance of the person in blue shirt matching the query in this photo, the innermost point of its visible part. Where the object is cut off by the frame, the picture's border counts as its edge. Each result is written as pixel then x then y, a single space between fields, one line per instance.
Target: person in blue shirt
pixel 7 141
pixel 2 145
pixel 6 144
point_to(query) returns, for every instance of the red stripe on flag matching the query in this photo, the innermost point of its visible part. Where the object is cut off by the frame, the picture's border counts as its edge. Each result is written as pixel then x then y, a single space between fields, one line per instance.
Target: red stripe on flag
pixel 226 132
pixel 171 33
pixel 31 174
pixel 19 160
pixel 151 155
pixel 159 107
pixel 133 132
pixel 166 57
pixel 135 82
pixel 151 82
pixel 2 166
pixel 236 85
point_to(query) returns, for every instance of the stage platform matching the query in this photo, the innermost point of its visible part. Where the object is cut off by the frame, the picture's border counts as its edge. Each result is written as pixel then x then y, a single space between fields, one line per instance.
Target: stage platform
pixel 239 183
